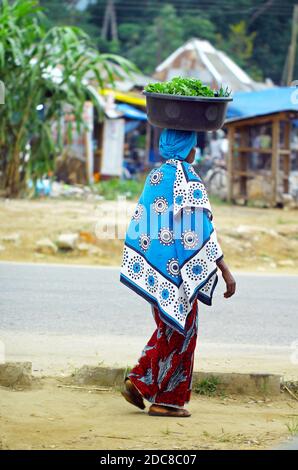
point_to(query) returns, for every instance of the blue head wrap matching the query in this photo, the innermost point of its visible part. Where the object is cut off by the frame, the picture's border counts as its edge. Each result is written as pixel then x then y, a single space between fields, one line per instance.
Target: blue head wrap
pixel 176 144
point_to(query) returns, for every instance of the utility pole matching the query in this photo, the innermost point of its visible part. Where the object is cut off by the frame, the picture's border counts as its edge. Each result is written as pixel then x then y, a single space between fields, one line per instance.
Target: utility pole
pixel 110 20
pixel 290 60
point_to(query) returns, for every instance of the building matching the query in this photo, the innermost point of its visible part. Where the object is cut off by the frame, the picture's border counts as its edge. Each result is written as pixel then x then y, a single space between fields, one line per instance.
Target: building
pixel 198 58
pixel 262 135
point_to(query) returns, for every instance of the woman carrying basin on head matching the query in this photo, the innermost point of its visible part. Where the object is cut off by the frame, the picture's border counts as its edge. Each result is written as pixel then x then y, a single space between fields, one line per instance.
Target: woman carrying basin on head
pixel 170 258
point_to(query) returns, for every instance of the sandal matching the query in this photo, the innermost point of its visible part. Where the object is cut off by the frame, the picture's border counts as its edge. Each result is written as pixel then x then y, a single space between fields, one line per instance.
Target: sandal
pixel 168 411
pixel 132 395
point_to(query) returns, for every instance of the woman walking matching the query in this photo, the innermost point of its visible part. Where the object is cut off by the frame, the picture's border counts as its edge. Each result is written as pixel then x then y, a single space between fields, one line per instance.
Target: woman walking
pixel 171 255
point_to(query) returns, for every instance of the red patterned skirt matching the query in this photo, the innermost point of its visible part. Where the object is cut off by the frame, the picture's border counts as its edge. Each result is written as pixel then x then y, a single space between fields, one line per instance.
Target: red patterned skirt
pixel 163 374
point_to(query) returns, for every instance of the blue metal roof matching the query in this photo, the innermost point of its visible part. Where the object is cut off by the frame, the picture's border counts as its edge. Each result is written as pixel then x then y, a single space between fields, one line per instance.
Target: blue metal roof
pixel 259 103
pixel 131 112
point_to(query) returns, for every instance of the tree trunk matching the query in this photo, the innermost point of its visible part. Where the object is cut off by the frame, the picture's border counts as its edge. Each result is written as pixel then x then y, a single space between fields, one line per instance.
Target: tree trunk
pixel 12 174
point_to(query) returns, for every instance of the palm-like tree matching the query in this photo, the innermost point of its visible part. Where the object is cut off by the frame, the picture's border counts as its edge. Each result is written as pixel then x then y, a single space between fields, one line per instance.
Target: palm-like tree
pixel 42 69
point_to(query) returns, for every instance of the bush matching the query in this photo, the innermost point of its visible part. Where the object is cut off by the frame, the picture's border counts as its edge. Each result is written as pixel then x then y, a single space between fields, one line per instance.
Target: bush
pixel 114 187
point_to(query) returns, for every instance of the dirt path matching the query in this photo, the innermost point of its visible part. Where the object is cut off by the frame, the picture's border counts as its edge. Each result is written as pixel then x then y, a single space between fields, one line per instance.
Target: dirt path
pixel 251 238
pixel 49 417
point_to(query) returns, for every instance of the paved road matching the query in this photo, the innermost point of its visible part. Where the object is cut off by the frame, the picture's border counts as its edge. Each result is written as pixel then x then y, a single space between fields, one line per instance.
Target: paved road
pixel 88 301
pixel 291 444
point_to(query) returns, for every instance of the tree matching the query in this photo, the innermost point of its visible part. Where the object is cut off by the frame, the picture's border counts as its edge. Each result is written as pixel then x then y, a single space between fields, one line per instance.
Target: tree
pixel 157 40
pixel 198 26
pixel 240 43
pixel 273 39
pixel 240 46
pixel 270 19
pixel 60 12
pixel 42 70
pixel 272 23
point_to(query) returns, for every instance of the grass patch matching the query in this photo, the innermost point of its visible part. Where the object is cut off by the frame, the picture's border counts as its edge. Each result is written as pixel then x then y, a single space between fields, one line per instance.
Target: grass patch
pixel 132 189
pixel 281 221
pixel 292 427
pixel 208 386
pixel 127 371
pixel 217 201
pixel 112 188
pixel 292 385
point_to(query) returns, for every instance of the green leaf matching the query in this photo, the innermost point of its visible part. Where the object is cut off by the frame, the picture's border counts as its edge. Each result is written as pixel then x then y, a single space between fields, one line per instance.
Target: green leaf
pixel 185 87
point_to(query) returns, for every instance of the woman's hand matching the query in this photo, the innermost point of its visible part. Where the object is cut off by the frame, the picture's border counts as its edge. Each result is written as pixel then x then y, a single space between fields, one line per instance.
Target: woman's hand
pixel 230 283
pixel 228 278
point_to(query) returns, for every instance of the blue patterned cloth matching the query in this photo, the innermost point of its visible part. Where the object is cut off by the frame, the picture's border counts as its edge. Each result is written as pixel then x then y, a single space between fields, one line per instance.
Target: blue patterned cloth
pixel 176 144
pixel 171 247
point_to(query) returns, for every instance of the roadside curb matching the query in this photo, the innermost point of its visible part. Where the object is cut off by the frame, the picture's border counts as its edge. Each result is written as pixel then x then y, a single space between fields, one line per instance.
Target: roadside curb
pixel 15 374
pixel 234 383
pixel 243 384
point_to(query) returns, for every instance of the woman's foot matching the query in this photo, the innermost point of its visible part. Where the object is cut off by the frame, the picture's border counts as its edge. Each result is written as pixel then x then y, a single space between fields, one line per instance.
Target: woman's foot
pixel 132 395
pixel 168 411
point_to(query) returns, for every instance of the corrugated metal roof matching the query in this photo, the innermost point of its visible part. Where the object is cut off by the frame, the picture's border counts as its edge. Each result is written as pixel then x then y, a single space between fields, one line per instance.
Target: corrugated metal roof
pixel 222 68
pixel 260 103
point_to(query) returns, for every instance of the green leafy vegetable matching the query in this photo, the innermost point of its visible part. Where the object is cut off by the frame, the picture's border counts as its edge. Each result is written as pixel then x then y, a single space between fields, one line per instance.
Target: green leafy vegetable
pixel 186 87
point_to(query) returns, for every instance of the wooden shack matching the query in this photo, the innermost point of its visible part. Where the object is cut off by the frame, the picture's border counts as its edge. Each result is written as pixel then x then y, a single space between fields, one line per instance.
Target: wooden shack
pixel 259 157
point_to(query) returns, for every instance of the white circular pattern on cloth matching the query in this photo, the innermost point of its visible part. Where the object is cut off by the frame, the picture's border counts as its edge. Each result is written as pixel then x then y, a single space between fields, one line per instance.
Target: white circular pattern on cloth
pixel 189 239
pixel 136 267
pixel 166 236
pixel 125 256
pixel 180 197
pixel 166 294
pixel 178 177
pixel 187 288
pixel 144 241
pixel 197 194
pixel 160 205
pixel 207 286
pixel 180 308
pixel 156 177
pixel 138 212
pixel 178 181
pixel 196 269
pixel 151 281
pixel 211 251
pixel 173 267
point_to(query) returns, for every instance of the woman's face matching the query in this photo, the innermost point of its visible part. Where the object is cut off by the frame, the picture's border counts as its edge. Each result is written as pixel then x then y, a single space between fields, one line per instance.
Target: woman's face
pixel 191 156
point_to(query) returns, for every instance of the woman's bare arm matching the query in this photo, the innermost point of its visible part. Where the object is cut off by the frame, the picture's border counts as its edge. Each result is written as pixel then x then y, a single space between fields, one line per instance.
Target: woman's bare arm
pixel 228 278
